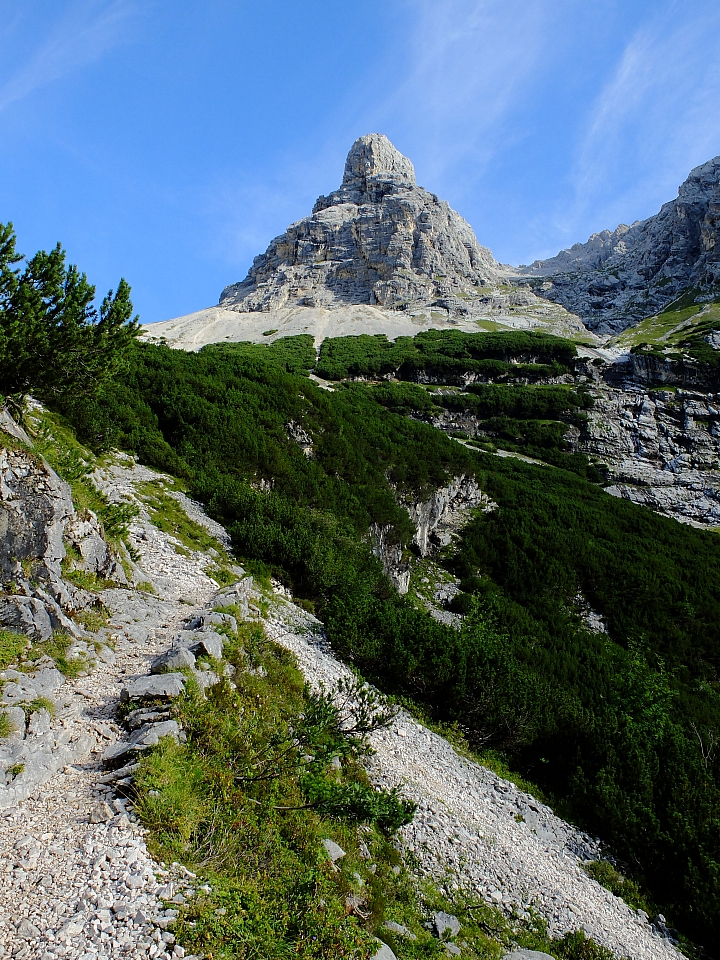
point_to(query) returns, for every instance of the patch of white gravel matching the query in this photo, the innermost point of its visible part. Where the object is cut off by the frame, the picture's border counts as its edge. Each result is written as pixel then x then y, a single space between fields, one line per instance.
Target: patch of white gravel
pixel 474 832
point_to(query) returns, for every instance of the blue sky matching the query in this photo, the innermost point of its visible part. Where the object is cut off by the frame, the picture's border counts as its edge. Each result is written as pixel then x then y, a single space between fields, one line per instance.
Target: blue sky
pixel 169 142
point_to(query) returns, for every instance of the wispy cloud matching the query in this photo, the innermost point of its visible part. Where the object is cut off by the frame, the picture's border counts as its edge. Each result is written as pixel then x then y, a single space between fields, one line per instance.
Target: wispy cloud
pixel 468 63
pixel 83 34
pixel 657 116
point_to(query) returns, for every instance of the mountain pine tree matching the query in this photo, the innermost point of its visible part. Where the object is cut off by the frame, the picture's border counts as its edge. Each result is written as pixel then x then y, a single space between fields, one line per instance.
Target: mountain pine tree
pixel 53 340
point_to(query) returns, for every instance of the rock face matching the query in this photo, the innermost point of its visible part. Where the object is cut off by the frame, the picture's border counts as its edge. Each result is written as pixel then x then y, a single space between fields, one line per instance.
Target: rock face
pixel 617 278
pixel 35 505
pixel 378 239
pixel 437 522
pixel 661 448
pixel 389 551
pixel 37 519
pixel 439 518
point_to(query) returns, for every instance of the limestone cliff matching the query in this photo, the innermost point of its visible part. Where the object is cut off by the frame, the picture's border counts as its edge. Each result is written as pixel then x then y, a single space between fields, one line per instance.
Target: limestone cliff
pixel 378 239
pixel 437 519
pixel 617 278
pixel 661 448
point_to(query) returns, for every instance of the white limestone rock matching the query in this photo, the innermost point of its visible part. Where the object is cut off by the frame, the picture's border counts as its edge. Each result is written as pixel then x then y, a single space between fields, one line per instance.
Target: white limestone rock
pixel 379 239
pixel 618 278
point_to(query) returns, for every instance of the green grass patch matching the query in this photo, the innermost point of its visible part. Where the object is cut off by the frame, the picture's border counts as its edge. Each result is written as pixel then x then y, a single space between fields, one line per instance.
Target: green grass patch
pixel 39 703
pixel 12 647
pixel 6 727
pixel 247 802
pixel 628 890
pixel 56 649
pixel 93 618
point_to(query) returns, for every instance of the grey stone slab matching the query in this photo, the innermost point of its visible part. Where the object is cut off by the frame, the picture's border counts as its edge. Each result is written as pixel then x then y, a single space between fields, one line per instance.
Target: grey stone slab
pixel 527 955
pixel 166 686
pixel 173 660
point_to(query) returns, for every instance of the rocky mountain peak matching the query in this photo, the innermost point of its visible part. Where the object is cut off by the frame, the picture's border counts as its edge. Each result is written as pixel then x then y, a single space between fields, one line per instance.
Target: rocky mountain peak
pixel 622 276
pixel 379 239
pixel 373 157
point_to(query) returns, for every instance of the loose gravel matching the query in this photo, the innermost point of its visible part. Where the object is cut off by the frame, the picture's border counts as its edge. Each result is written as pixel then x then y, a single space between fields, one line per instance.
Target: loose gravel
pixel 475 833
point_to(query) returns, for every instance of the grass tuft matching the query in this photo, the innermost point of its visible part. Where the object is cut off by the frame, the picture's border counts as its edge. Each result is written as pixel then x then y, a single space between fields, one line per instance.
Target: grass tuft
pixel 12 647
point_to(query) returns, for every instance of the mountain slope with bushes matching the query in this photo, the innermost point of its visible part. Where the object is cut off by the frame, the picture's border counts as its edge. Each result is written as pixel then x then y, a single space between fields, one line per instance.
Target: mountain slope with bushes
pixel 616 725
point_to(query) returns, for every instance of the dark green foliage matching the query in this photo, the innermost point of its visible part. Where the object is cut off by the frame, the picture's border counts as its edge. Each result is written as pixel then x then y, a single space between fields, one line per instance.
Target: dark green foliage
pixel 444 353
pixel 507 414
pixel 613 726
pixel 53 341
pixel 542 402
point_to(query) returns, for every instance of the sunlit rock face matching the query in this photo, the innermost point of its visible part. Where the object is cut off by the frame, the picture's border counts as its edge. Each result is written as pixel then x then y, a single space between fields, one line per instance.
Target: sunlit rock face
pixel 379 239
pixel 620 277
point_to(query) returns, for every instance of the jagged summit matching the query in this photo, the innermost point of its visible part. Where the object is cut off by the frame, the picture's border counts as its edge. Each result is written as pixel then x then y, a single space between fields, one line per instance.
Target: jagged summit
pixel 379 239
pixel 619 277
pixel 379 255
pixel 372 158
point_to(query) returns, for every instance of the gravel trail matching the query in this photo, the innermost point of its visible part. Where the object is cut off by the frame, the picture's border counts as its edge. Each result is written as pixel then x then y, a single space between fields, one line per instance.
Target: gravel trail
pixel 76 879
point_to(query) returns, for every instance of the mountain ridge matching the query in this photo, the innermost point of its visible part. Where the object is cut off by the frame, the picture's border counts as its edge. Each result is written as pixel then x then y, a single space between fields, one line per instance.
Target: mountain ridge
pixel 618 278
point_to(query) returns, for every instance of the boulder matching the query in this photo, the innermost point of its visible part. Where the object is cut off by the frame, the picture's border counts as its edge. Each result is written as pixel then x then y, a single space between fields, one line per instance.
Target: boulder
pixel 333 850
pixel 40 758
pixel 383 952
pixel 445 925
pixel 25 615
pixel 399 929
pixel 214 618
pixel 35 505
pixel 201 641
pixel 86 535
pixel 166 686
pixel 173 660
pixel 39 724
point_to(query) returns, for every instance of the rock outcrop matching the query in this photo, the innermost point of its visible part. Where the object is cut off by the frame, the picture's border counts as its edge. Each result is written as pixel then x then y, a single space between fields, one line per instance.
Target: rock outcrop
pixel 437 520
pixel 440 518
pixel 618 278
pixel 37 521
pixel 660 448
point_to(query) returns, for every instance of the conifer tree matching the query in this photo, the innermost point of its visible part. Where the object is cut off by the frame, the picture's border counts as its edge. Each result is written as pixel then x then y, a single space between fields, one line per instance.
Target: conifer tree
pixel 53 340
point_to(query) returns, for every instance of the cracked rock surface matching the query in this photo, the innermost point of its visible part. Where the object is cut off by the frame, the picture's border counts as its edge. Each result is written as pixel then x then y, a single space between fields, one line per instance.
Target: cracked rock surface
pixel 661 449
